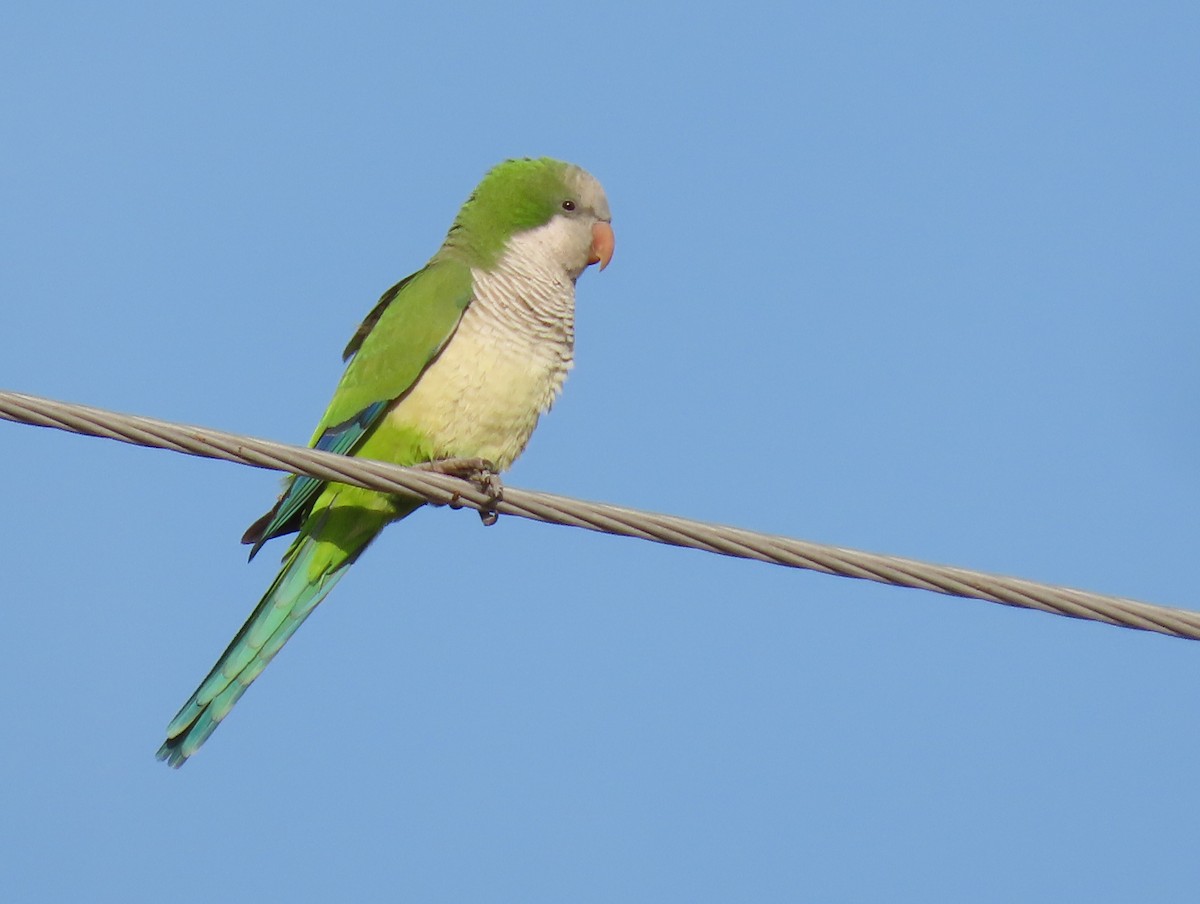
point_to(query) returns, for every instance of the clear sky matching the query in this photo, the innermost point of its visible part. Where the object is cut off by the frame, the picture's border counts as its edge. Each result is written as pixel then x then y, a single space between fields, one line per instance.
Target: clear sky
pixel 917 278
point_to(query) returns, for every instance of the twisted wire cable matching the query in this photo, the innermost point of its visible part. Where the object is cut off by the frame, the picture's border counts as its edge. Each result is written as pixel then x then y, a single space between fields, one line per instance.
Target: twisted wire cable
pixel 443 489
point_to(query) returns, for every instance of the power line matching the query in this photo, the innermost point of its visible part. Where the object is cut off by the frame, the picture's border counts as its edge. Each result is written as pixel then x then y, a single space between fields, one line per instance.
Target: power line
pixel 441 489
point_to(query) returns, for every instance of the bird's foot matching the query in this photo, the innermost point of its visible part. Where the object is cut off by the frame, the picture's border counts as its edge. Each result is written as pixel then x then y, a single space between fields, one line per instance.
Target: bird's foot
pixel 478 471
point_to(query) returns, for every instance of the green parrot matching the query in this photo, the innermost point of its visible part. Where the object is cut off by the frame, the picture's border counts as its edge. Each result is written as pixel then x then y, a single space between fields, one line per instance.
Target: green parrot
pixel 458 360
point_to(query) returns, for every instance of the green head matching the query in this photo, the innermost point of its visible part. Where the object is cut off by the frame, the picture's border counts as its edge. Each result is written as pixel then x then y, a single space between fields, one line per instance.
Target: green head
pixel 526 194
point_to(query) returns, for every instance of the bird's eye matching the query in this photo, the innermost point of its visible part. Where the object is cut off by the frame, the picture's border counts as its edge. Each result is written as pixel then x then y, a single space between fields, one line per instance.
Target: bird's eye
pixel 568 204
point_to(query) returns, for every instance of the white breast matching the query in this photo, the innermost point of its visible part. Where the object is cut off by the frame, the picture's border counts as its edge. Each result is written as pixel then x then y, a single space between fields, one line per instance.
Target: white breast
pixel 506 363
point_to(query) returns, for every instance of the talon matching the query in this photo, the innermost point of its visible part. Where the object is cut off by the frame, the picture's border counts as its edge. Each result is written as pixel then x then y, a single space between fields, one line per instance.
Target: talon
pixel 478 471
pixel 491 486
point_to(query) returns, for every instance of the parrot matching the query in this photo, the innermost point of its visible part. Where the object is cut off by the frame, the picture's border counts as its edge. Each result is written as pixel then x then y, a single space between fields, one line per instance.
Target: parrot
pixel 457 361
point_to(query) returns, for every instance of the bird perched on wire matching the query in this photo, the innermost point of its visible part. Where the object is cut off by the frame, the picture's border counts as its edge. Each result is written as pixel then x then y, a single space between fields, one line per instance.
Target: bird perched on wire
pixel 456 361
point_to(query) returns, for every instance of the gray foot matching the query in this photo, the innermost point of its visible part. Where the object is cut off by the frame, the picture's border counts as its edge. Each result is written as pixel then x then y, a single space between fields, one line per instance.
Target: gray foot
pixel 478 471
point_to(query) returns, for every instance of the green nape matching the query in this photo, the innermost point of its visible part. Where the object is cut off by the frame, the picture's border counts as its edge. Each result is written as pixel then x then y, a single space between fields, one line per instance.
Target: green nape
pixel 514 196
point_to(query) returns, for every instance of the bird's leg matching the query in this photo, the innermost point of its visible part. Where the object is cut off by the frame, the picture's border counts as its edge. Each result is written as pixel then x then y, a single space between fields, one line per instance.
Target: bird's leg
pixel 478 471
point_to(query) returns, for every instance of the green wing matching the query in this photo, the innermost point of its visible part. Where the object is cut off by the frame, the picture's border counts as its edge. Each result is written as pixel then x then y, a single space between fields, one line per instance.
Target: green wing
pixel 400 338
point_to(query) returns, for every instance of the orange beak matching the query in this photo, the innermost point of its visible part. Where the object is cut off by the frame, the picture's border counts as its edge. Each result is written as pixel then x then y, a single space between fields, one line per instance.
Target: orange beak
pixel 603 242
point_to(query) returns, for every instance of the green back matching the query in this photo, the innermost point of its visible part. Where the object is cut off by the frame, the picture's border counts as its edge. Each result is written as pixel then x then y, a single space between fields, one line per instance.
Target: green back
pixel 399 339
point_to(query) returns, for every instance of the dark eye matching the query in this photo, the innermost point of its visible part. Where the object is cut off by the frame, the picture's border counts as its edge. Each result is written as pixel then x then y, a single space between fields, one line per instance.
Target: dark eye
pixel 568 204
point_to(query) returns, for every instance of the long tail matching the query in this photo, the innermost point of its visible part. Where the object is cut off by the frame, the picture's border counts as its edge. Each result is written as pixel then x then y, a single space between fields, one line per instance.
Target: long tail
pixel 310 569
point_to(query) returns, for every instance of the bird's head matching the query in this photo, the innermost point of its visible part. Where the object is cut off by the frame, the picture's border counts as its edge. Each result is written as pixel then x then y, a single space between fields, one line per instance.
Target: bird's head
pixel 560 205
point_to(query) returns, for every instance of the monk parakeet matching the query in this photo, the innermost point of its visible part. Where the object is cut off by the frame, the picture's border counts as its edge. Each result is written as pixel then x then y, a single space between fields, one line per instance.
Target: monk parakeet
pixel 458 360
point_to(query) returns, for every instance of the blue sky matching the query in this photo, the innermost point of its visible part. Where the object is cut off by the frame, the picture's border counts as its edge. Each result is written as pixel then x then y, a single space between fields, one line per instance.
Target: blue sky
pixel 916 278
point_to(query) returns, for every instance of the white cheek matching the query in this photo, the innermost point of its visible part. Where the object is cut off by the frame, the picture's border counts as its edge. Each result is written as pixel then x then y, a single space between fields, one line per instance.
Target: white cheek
pixel 565 241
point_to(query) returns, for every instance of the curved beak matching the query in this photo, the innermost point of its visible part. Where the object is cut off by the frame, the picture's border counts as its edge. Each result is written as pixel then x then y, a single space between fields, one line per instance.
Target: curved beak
pixel 603 242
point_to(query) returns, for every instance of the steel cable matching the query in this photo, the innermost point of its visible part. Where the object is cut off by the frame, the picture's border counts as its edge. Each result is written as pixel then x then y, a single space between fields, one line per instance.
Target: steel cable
pixel 442 489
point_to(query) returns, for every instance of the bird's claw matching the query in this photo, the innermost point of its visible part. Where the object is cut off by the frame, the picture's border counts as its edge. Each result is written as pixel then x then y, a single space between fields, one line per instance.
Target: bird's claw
pixel 478 471
pixel 492 487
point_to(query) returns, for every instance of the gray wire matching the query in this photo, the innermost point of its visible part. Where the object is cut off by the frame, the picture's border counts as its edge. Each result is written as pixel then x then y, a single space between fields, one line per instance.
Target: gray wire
pixel 441 489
